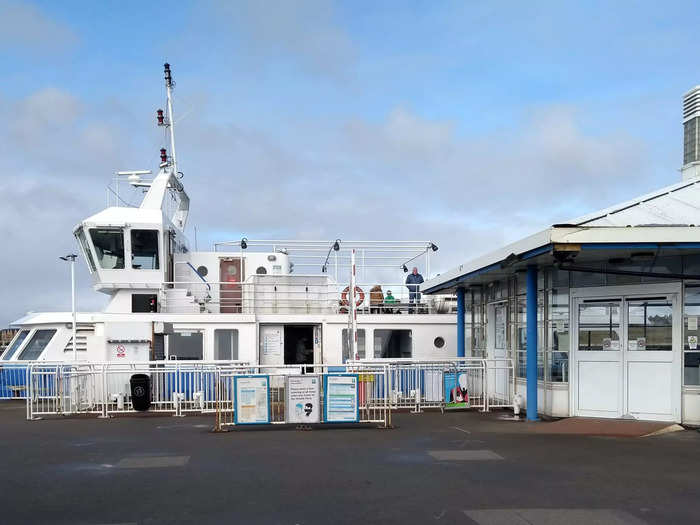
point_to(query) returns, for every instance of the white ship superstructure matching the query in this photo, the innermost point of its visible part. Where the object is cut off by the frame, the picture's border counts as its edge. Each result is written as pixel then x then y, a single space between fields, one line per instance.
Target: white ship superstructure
pixel 268 302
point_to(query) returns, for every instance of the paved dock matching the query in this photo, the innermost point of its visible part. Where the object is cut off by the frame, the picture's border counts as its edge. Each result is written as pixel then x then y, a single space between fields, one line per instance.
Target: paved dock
pixel 456 468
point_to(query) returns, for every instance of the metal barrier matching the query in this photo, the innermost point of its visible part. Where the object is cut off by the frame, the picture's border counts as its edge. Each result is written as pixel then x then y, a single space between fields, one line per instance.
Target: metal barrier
pixel 181 387
pixel 176 387
pixel 500 383
pixel 13 381
pixel 373 404
pixel 421 384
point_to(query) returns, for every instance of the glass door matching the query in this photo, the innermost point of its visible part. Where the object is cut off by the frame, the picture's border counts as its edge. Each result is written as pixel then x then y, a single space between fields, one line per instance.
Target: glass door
pixel 627 361
pixel 599 357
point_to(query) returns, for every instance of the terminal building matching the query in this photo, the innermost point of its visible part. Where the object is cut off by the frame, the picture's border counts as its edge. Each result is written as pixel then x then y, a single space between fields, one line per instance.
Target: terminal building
pixel 599 314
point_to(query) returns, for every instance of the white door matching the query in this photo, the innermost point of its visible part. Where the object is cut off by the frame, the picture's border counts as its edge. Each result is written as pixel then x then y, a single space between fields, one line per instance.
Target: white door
pixel 271 344
pixel 627 355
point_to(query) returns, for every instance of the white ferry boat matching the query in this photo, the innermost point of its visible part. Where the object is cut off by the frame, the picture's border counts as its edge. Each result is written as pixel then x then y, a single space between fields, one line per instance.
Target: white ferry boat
pixel 265 302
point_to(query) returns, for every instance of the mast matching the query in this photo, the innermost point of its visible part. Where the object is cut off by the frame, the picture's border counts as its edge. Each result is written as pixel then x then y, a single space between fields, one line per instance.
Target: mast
pixel 170 123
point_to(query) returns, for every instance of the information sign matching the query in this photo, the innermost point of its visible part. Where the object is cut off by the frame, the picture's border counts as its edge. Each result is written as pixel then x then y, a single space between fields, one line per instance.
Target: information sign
pixel 340 399
pixel 303 401
pixel 252 400
pixel 456 392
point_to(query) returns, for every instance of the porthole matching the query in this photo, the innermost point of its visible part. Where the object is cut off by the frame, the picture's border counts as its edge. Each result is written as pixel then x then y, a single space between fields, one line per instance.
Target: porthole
pixel 261 270
pixel 439 342
pixel 202 270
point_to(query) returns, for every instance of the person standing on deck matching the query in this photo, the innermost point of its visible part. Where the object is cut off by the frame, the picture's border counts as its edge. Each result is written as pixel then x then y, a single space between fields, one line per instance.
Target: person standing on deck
pixel 412 282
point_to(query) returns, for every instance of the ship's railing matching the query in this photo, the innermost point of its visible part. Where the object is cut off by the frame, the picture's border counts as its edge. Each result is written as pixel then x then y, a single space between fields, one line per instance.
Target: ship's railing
pixel 297 295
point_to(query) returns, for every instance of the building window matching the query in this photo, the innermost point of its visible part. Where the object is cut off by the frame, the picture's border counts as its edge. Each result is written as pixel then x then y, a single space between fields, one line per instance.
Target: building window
pixel 109 247
pixel 19 339
pixel 226 345
pixel 360 344
pixel 558 340
pixel 599 326
pixel 393 344
pixel 650 325
pixel 691 334
pixel 144 249
pixel 36 345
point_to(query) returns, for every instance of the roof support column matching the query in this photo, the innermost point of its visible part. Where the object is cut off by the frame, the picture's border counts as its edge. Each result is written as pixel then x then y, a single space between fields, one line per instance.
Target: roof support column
pixel 461 310
pixel 532 343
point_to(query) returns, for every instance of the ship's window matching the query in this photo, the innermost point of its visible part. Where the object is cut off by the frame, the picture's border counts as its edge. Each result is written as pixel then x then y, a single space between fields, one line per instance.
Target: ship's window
pixel 360 344
pixel 202 271
pixel 144 249
pixel 86 249
pixel 109 247
pixel 36 345
pixel 185 345
pixel 19 339
pixel 261 270
pixel 226 345
pixel 393 344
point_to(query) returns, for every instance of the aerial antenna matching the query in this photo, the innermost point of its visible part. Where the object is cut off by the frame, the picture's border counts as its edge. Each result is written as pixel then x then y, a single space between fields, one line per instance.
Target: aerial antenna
pixel 169 121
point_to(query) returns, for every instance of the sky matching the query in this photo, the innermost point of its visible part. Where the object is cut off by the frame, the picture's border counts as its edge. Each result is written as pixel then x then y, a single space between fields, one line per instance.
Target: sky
pixel 469 124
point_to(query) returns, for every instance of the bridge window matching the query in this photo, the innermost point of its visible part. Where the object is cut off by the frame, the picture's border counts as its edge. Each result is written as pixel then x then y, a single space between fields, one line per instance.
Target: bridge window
pixel 144 249
pixel 80 234
pixel 109 247
pixel 36 345
pixel 19 339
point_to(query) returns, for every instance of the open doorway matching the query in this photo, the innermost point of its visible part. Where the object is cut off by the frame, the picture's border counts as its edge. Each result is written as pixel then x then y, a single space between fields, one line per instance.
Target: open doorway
pixel 298 344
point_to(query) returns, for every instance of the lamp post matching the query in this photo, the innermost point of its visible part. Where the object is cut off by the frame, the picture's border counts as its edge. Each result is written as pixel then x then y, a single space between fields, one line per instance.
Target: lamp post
pixel 71 257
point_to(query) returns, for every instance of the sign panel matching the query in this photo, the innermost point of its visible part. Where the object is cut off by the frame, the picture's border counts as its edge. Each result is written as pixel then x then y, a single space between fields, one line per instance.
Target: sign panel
pixel 303 401
pixel 340 399
pixel 456 393
pixel 252 400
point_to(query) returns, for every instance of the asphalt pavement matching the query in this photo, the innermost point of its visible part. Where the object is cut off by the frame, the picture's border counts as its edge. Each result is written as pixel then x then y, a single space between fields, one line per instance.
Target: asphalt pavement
pixel 456 468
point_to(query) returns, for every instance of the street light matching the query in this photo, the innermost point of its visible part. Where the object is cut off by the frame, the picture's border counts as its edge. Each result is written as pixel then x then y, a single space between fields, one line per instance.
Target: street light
pixel 71 257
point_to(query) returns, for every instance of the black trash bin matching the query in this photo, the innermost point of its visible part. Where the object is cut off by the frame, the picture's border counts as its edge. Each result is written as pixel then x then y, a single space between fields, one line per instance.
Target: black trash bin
pixel 141 392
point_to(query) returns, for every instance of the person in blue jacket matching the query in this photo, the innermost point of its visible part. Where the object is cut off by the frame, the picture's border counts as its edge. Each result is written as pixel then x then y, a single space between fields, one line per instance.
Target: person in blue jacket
pixel 412 281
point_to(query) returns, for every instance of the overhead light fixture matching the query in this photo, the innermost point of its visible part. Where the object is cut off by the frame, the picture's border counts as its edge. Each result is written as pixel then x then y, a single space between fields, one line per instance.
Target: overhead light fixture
pixel 336 245
pixel 405 269
pixel 323 269
pixel 433 247
pixel 244 243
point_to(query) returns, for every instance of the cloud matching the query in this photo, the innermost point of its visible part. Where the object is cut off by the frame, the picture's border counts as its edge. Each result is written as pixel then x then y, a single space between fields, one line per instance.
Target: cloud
pixel 402 176
pixel 24 27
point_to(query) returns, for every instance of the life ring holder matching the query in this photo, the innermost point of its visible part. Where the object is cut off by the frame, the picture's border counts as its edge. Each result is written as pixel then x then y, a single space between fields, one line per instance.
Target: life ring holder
pixel 358 291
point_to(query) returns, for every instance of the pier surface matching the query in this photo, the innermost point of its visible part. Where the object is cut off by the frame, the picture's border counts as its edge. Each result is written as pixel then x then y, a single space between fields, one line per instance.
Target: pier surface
pixel 456 468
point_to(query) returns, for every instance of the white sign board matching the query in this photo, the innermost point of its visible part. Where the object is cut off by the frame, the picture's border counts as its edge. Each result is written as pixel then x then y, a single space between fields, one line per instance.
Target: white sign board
pixel 692 323
pixel 252 401
pixel 303 399
pixel 341 395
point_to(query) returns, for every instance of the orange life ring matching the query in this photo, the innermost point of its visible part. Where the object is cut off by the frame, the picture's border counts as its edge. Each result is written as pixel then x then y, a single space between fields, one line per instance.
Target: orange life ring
pixel 344 296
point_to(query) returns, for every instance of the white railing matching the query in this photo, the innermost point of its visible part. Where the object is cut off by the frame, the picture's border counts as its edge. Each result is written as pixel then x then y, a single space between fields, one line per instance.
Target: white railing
pixel 296 295
pixel 180 387
pixel 104 388
pixel 373 404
